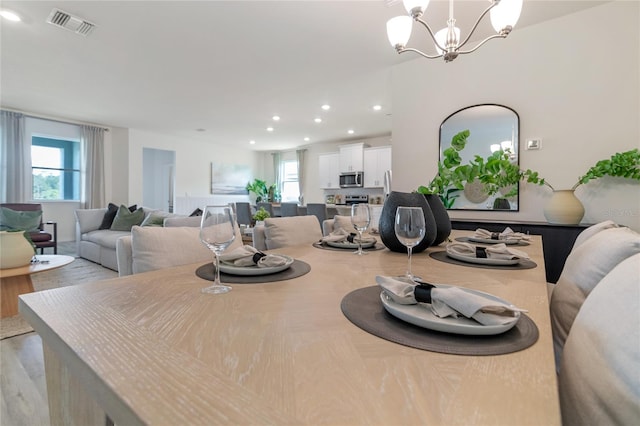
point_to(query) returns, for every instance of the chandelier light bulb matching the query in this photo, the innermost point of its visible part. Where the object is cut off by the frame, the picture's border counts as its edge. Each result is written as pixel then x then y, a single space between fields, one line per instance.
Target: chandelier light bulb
pixel 505 15
pixel 399 30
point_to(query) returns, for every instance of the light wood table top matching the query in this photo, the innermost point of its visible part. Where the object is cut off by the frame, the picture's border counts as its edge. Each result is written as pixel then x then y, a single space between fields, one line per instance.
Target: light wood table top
pixel 151 349
pixel 47 262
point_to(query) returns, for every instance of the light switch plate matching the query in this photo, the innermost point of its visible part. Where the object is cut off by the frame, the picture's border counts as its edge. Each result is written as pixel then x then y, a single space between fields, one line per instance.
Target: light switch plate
pixel 534 144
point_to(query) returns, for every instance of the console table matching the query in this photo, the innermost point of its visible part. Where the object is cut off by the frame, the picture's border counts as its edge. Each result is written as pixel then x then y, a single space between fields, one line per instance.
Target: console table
pixel 557 240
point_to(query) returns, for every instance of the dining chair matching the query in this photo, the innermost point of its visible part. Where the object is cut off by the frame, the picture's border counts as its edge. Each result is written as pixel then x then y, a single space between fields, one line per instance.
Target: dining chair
pixel 286 231
pixel 599 383
pixel 586 266
pixel 40 237
pixel 267 206
pixel 243 213
pixel 288 209
pixel 319 210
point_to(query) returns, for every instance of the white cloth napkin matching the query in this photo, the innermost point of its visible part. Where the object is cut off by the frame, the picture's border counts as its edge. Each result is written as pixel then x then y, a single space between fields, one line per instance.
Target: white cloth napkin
pixel 340 235
pixel 496 251
pixel 243 256
pixel 451 301
pixel 507 234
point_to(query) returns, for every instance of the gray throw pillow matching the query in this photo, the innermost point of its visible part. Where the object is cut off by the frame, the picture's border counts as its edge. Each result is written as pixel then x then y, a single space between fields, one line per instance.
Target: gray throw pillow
pixel 125 219
pixel 12 220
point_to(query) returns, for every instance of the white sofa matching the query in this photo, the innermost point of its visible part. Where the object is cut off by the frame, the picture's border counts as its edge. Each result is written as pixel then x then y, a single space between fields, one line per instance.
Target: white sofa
pixel 99 245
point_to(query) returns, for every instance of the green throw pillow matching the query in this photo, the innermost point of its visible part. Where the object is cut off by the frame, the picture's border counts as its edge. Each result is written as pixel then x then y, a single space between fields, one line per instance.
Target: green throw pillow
pixel 153 220
pixel 11 220
pixel 125 219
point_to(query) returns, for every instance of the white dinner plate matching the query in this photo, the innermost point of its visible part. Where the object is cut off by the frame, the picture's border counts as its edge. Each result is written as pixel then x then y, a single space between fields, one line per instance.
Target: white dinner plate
pixel 484 260
pixel 421 315
pixel 367 243
pixel 254 270
pixel 490 241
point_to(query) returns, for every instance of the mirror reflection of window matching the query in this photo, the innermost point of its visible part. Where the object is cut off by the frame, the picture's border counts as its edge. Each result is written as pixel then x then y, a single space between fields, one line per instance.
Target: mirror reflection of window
pixel 492 128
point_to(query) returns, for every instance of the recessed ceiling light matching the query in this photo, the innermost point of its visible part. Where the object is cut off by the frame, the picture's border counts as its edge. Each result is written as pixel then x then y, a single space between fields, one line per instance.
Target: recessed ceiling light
pixel 201 130
pixel 326 107
pixel 252 142
pixel 306 139
pixel 276 118
pixel 377 107
pixel 269 129
pixel 318 120
pixel 10 16
pixel 350 131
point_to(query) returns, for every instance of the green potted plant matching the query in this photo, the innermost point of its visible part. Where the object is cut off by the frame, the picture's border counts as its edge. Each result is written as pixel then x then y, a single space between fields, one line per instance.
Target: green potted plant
pixel 262 191
pixel 261 215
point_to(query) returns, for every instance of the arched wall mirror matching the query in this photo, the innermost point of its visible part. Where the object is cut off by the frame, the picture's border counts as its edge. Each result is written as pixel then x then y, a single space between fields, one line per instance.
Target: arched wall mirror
pixel 492 127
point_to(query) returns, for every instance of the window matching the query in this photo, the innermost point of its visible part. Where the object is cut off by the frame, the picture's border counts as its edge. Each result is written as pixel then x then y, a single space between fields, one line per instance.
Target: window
pixel 56 169
pixel 290 189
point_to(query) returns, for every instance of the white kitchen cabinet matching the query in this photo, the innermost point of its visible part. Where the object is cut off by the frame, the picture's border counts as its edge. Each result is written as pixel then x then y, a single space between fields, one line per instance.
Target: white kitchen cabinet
pixel 351 158
pixel 329 173
pixel 377 160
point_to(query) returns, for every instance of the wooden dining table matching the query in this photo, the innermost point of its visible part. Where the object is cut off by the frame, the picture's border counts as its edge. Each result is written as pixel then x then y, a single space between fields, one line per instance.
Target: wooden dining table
pixel 152 349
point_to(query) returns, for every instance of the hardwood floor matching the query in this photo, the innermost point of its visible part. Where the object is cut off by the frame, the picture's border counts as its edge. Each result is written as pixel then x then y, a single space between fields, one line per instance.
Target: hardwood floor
pixel 22 382
pixel 23 389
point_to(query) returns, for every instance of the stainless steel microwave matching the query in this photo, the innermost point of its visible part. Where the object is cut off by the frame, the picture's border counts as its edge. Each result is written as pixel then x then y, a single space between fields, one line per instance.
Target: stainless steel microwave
pixel 351 180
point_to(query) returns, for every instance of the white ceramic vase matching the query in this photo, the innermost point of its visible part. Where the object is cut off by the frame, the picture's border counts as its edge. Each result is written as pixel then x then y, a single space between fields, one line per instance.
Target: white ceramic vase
pixel 15 250
pixel 564 208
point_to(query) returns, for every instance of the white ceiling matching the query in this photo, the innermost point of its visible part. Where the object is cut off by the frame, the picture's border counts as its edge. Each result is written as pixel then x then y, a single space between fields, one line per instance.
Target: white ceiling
pixel 173 67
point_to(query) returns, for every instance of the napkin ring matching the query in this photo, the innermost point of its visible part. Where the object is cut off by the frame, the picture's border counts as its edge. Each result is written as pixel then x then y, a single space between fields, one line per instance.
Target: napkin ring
pixel 495 235
pixel 481 252
pixel 256 257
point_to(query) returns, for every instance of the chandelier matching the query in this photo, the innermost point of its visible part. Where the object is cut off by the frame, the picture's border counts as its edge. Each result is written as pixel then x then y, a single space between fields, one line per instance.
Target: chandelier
pixel 504 15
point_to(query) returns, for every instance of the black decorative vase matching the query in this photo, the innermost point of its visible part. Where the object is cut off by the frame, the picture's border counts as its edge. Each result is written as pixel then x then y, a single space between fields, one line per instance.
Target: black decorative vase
pixel 388 215
pixel 443 221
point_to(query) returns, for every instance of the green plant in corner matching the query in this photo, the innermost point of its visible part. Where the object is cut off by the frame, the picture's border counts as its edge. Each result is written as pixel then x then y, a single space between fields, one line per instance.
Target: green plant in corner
pixel 261 214
pixel 261 189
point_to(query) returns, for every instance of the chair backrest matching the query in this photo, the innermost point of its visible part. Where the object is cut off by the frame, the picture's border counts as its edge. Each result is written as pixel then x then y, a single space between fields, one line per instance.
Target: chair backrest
pixel 289 231
pixel 586 265
pixel 243 213
pixel 319 210
pixel 25 207
pixel 599 382
pixel 154 247
pixel 267 206
pixel 288 209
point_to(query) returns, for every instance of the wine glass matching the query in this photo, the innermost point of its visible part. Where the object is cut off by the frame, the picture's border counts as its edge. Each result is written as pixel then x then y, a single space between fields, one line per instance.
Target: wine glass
pixel 410 229
pixel 217 233
pixel 360 218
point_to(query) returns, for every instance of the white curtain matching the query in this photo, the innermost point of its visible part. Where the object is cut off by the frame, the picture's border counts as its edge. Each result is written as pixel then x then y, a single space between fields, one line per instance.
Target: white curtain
pixel 300 157
pixel 92 193
pixel 15 160
pixel 277 170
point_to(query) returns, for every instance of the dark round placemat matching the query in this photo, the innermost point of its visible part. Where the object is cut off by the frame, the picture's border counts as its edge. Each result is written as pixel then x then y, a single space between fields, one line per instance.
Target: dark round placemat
pixel 377 246
pixel 467 240
pixel 297 269
pixel 364 309
pixel 442 256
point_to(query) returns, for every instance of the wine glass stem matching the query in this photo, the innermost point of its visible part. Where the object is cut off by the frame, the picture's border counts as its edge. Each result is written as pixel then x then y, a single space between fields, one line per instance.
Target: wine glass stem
pixel 216 262
pixel 409 250
pixel 360 242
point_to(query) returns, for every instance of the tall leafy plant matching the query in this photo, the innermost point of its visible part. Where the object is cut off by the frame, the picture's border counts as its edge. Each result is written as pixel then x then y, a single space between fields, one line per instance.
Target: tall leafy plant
pixel 261 189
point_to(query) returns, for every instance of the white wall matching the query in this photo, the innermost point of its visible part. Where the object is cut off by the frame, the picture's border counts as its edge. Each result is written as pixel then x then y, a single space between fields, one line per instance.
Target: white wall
pixel 575 83
pixel 193 164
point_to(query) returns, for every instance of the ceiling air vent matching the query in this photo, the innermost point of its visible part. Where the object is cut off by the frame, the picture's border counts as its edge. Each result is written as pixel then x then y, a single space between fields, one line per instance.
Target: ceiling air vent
pixel 69 22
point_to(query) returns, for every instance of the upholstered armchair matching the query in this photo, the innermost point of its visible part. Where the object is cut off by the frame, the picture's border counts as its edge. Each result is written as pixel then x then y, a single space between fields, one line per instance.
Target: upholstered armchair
pixel 40 237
